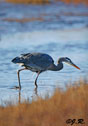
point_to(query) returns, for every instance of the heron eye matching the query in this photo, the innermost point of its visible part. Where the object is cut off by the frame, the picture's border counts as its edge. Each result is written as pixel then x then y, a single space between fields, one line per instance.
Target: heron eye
pixel 68 59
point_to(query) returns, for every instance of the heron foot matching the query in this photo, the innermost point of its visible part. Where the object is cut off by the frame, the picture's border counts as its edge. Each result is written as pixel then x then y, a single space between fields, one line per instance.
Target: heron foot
pixel 17 87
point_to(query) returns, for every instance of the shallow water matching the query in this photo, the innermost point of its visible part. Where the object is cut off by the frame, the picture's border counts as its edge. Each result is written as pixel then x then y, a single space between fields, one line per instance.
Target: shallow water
pixel 49 36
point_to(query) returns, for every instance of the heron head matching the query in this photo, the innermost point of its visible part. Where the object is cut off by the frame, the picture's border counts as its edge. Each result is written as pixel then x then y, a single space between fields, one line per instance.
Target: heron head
pixel 15 60
pixel 68 61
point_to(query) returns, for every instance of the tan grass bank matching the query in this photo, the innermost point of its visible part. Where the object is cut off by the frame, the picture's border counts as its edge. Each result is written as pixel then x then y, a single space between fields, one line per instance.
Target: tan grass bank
pixel 70 104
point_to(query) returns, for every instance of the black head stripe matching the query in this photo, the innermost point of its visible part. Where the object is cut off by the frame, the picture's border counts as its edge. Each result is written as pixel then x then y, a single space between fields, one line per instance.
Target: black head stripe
pixel 68 59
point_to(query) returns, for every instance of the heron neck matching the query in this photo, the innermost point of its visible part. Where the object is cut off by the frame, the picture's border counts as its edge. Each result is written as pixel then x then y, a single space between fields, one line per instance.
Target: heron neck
pixel 57 67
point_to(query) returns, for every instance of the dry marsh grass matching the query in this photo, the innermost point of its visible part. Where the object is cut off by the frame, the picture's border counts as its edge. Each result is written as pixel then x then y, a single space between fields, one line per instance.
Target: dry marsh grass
pixel 47 1
pixel 69 104
pixel 29 1
pixel 23 20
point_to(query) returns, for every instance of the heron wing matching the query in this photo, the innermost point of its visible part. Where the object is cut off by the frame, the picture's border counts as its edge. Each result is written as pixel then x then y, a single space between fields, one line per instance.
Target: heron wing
pixel 38 61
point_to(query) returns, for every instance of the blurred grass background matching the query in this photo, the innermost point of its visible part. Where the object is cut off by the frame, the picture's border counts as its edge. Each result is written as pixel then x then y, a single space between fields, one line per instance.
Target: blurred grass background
pixel 71 103
pixel 48 1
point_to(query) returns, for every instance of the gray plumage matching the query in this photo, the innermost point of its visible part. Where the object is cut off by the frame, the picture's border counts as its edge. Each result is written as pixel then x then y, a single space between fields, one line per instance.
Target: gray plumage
pixel 34 61
pixel 39 62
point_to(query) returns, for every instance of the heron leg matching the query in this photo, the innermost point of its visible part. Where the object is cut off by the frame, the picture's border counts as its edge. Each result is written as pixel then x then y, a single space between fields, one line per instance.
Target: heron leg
pixel 18 73
pixel 36 79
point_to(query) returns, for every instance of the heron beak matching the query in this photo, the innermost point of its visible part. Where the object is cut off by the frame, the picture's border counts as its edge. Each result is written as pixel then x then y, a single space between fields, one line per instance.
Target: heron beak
pixel 75 66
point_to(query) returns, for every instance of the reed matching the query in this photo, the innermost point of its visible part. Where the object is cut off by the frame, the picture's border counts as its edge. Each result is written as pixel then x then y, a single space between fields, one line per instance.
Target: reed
pixel 71 103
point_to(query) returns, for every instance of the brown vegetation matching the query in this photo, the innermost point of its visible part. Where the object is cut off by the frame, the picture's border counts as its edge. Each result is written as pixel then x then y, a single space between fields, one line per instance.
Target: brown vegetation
pixel 69 104
pixel 47 1
pixel 29 1
pixel 23 20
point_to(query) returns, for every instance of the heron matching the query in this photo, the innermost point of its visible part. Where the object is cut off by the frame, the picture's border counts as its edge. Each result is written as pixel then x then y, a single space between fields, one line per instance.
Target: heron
pixel 39 62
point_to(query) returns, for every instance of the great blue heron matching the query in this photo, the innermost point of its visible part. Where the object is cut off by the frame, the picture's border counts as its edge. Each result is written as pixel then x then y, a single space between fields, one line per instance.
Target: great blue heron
pixel 39 62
